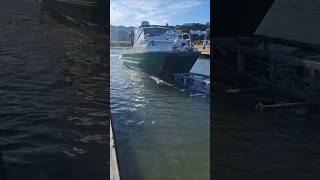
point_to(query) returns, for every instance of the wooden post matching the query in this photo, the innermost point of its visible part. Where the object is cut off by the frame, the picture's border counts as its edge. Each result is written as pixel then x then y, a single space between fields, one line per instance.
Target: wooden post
pixel 184 81
pixel 175 77
pixel 266 47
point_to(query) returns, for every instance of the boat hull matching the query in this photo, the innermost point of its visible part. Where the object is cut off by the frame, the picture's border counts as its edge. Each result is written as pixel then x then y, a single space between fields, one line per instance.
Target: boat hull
pixel 161 63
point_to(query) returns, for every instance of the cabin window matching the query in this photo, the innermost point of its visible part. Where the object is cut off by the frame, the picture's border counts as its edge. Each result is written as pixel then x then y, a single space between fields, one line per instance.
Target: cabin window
pixel 154 32
pixel 185 36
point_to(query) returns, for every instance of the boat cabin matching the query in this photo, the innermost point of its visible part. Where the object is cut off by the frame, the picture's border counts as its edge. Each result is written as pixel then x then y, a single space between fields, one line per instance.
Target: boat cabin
pixel 153 33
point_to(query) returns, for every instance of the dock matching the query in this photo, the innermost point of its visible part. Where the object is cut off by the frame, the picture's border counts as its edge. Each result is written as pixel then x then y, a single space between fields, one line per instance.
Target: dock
pixel 205 51
pixel 287 66
pixel 114 169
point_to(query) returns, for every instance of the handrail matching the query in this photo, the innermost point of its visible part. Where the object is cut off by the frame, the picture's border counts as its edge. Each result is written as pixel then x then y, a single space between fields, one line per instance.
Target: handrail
pixel 293 43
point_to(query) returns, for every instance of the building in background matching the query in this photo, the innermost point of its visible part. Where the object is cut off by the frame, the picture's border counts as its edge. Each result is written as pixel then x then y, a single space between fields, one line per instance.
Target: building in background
pixel 189 24
pixel 197 32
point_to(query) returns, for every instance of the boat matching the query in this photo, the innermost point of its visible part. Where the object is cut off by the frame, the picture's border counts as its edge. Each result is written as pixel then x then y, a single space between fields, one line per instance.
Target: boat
pixel 159 50
pixel 92 13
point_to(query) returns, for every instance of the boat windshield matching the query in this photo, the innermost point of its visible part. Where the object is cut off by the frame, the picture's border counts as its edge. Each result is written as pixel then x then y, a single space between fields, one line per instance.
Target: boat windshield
pixel 184 36
pixel 155 31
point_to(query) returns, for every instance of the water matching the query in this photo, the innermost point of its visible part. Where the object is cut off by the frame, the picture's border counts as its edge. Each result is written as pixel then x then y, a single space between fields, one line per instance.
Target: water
pixel 280 143
pixel 161 132
pixel 53 96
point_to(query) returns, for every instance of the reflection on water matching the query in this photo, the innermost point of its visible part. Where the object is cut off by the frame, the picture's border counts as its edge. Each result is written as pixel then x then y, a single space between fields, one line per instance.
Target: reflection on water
pixel 53 98
pixel 280 143
pixel 161 132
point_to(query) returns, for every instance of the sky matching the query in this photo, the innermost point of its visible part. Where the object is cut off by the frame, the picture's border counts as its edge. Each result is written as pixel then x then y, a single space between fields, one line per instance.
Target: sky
pixel 159 12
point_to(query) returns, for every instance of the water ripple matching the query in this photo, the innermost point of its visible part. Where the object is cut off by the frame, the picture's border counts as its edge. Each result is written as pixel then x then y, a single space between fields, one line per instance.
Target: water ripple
pixel 53 96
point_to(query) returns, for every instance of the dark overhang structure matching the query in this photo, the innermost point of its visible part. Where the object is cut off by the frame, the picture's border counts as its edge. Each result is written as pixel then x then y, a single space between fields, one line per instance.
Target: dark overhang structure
pixel 232 18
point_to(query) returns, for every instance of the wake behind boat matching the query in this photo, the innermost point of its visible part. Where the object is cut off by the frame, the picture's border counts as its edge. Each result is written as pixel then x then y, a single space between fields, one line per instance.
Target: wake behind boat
pixel 159 50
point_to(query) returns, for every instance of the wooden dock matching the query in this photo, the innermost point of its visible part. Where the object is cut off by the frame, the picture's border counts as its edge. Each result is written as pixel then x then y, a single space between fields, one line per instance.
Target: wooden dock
pixel 282 60
pixel 114 170
pixel 205 51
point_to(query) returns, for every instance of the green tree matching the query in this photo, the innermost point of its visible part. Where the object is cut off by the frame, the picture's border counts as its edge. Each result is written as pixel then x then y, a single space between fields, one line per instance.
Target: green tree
pixel 208 34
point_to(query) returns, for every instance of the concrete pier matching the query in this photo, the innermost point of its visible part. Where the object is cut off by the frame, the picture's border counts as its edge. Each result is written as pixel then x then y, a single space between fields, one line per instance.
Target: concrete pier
pixel 114 171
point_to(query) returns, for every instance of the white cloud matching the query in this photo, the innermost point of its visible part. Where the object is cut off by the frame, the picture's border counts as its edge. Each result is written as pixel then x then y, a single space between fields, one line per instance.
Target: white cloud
pixel 132 12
